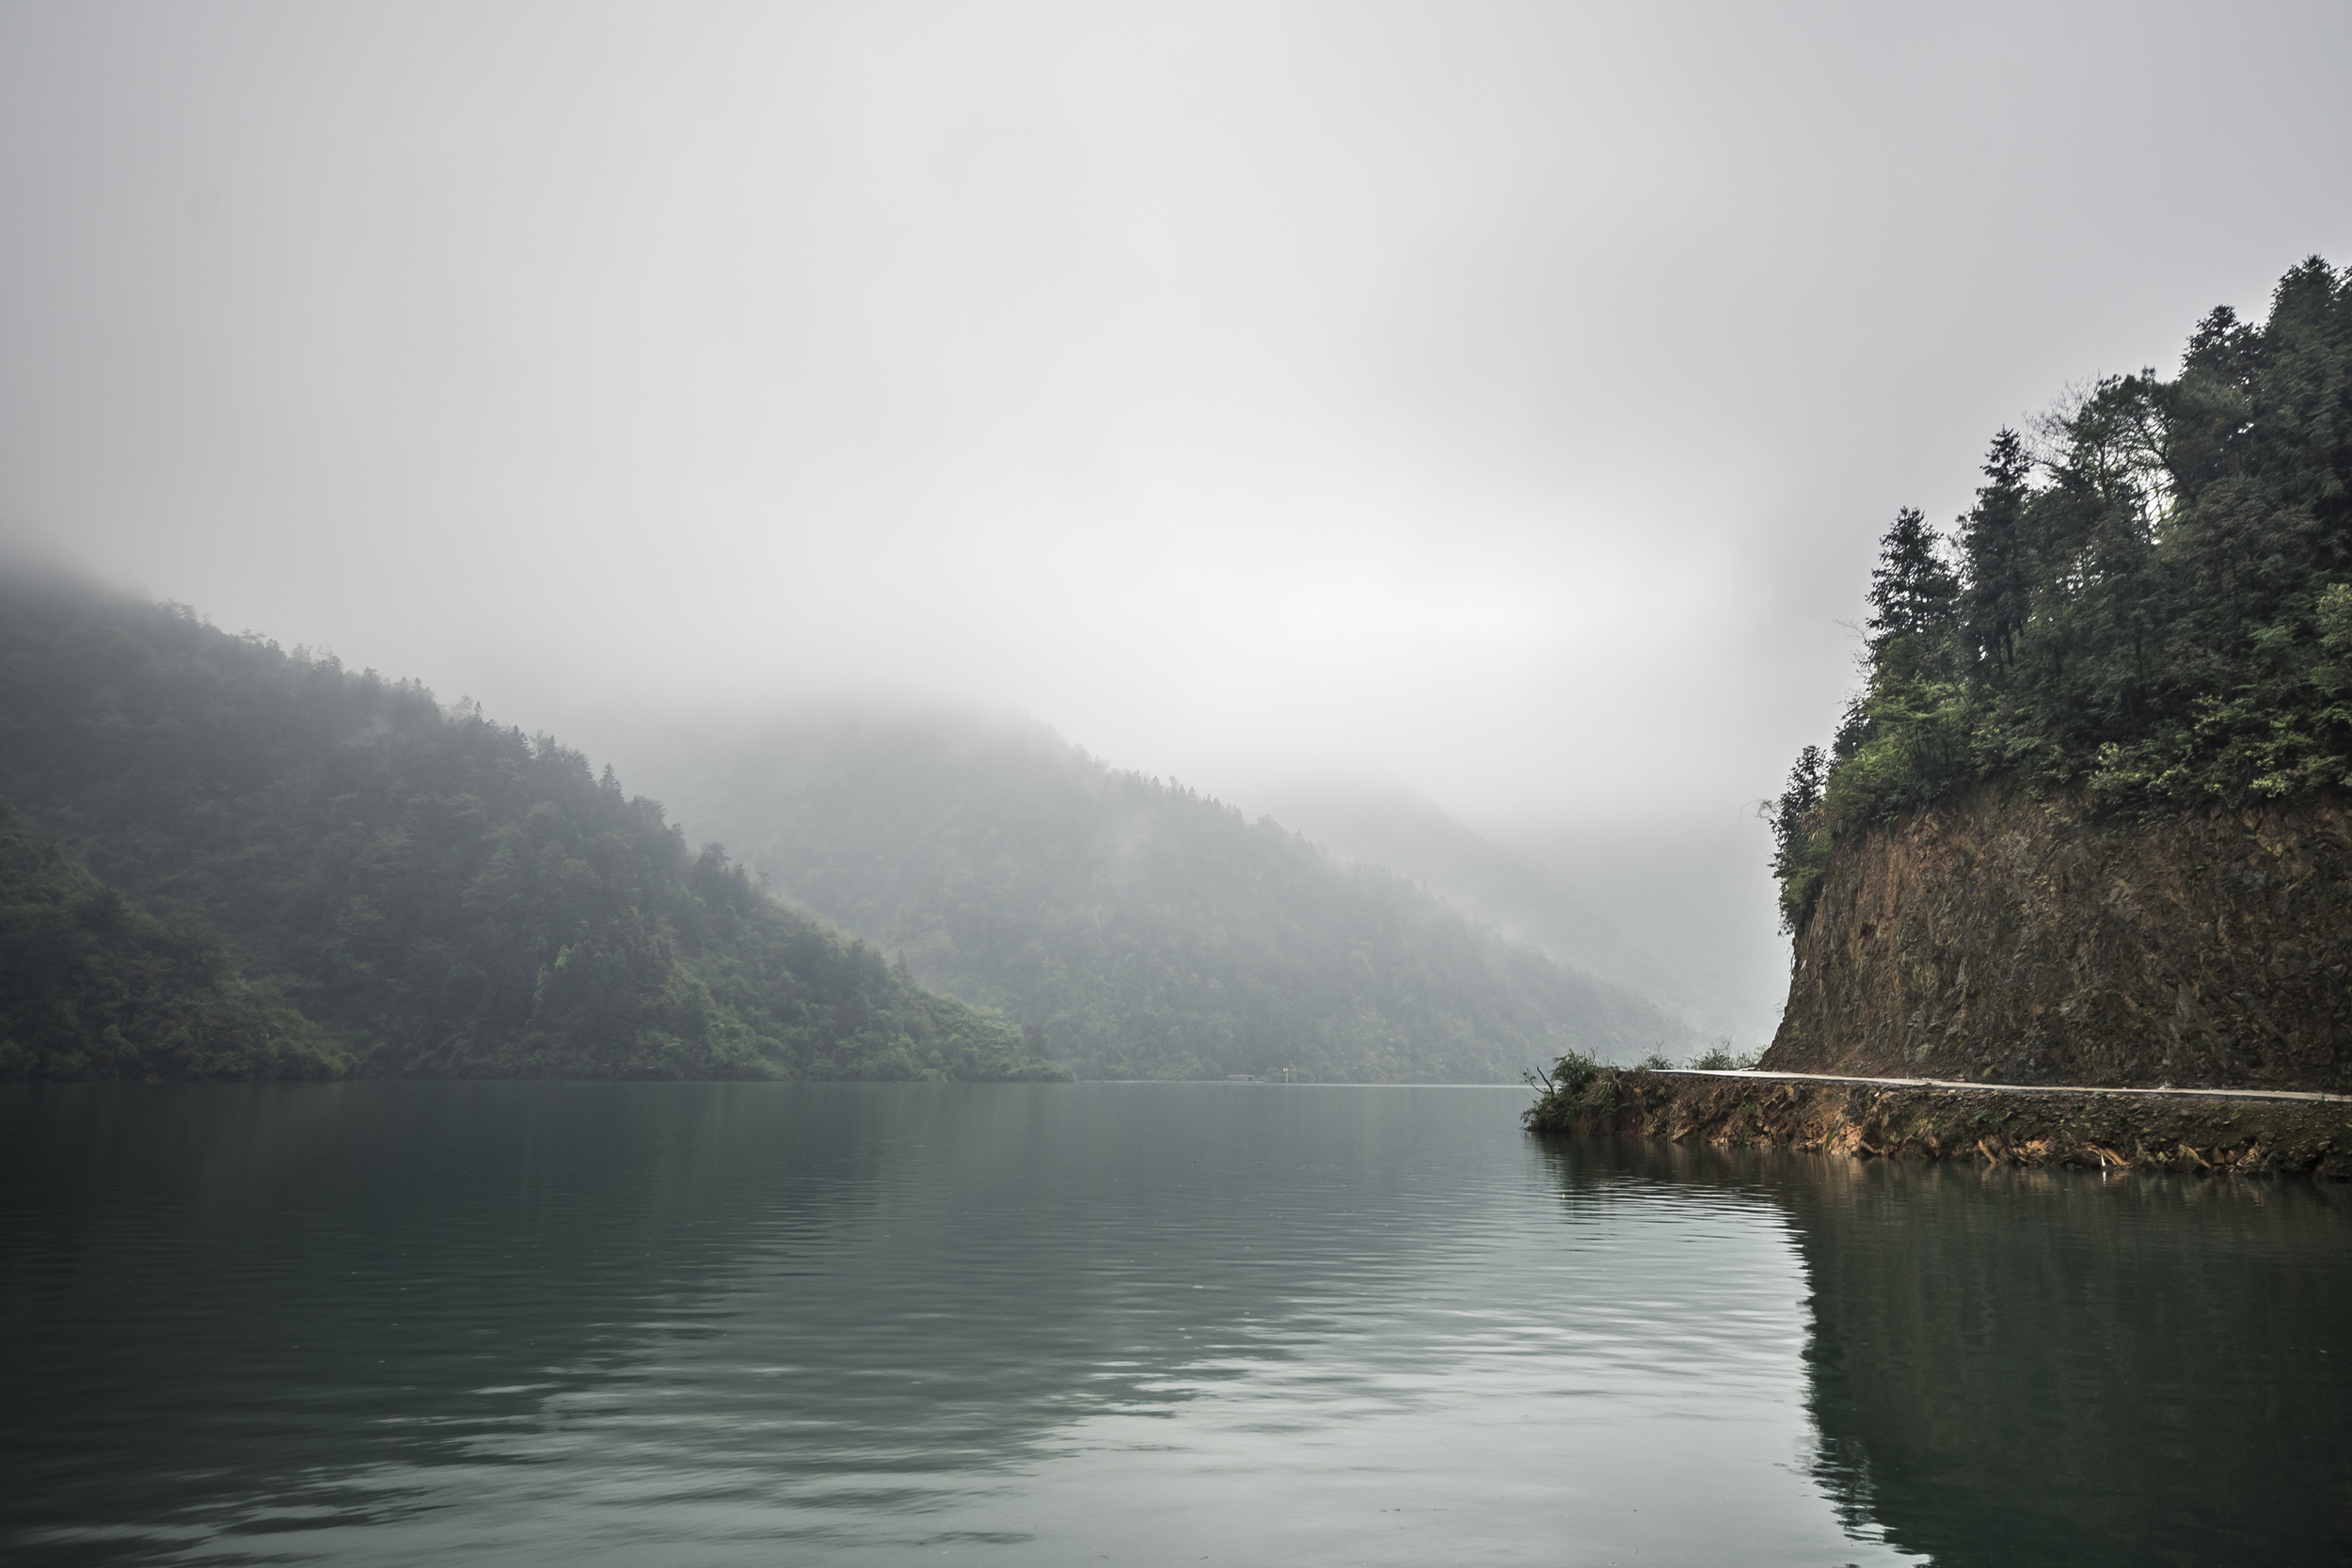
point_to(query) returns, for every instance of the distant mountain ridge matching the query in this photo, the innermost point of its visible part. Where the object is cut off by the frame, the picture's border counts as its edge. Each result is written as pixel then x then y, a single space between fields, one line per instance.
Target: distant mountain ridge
pixel 1634 914
pixel 437 894
pixel 1410 836
pixel 1145 929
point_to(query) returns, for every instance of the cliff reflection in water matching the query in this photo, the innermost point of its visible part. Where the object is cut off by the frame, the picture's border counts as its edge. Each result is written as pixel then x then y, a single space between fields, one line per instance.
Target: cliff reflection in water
pixel 2029 1368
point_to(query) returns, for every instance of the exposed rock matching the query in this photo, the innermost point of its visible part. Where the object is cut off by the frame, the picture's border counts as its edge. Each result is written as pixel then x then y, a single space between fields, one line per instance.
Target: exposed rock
pixel 2005 938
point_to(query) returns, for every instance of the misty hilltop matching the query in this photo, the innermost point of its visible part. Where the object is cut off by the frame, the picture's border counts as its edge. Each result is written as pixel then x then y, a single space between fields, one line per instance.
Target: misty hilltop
pixel 241 861
pixel 1652 911
pixel 1145 929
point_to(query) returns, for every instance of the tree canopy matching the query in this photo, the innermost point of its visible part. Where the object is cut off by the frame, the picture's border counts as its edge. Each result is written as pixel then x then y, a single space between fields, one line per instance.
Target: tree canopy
pixel 95 987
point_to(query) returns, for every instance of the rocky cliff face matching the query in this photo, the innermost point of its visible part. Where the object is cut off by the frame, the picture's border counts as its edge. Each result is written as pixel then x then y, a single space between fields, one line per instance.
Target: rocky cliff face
pixel 2008 939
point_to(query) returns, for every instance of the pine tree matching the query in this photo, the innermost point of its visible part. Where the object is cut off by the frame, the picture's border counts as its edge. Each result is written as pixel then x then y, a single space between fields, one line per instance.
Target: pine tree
pixel 1994 561
pixel 1912 594
pixel 1797 801
pixel 1797 842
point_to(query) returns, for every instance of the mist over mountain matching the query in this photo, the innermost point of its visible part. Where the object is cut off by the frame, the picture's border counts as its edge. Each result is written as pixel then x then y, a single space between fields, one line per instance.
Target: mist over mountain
pixel 437 894
pixel 1146 928
pixel 1646 907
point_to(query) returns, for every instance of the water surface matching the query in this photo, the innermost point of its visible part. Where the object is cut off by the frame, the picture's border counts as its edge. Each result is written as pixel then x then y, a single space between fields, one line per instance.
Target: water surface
pixel 1127 1324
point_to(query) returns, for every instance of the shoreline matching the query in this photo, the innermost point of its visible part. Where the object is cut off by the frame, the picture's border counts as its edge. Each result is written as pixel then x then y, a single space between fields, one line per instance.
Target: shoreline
pixel 2162 1091
pixel 2084 1128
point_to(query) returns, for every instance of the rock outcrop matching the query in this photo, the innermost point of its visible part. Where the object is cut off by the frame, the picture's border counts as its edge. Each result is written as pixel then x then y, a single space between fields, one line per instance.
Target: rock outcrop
pixel 2086 1129
pixel 2008 939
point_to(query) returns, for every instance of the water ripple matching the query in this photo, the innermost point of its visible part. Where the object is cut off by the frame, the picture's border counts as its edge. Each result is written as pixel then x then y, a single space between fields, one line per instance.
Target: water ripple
pixel 1031 1324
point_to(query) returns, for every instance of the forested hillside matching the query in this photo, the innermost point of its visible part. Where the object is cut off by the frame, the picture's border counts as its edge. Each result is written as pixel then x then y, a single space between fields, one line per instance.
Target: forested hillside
pixel 1147 930
pixel 2149 606
pixel 439 894
pixel 95 987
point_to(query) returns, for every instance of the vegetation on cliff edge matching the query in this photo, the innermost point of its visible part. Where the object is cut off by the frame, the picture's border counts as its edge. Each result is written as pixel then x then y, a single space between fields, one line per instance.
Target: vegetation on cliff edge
pixel 2150 599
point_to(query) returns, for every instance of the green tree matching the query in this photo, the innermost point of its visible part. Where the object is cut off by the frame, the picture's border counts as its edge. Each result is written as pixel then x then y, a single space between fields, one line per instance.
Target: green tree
pixel 1913 593
pixel 1995 564
pixel 1798 859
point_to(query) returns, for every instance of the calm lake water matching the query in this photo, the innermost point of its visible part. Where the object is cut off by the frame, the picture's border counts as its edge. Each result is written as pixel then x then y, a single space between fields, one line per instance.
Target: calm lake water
pixel 1127 1323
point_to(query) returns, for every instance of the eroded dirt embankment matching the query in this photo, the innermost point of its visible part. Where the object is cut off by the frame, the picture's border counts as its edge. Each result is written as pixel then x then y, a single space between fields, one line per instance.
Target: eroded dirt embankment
pixel 2087 1130
pixel 2008 937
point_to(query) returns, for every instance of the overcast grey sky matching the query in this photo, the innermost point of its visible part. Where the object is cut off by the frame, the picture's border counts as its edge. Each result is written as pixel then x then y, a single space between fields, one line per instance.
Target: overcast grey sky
pixel 1497 400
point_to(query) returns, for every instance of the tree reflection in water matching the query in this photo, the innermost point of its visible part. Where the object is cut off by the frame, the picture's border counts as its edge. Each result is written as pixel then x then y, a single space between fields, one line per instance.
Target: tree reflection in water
pixel 2057 1367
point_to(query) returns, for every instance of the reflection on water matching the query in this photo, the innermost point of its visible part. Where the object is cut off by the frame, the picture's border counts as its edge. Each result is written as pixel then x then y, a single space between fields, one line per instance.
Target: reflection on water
pixel 2059 1368
pixel 1111 1323
pixel 2062 1368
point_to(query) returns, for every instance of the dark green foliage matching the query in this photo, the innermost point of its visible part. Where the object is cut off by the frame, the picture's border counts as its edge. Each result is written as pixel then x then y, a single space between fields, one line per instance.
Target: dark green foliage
pixel 1993 562
pixel 1800 841
pixel 2157 609
pixel 1912 594
pixel 1576 1085
pixel 92 985
pixel 1569 1074
pixel 1149 931
pixel 451 896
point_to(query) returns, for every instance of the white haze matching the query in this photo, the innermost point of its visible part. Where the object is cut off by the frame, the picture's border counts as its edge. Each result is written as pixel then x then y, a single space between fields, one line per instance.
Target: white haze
pixel 1497 402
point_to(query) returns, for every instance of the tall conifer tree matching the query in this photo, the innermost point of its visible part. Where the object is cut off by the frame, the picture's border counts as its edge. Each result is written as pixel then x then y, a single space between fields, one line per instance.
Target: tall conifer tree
pixel 1994 562
pixel 1912 596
